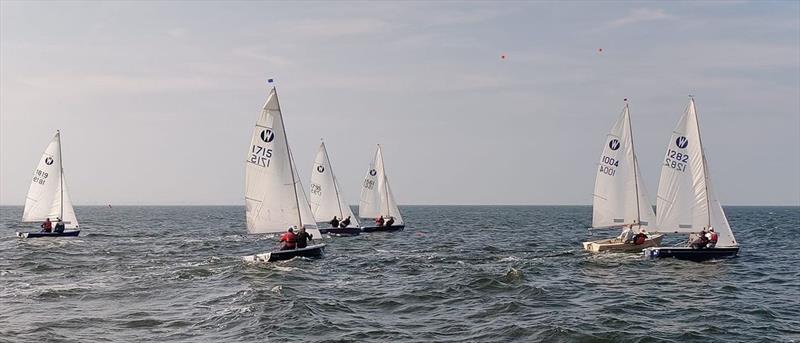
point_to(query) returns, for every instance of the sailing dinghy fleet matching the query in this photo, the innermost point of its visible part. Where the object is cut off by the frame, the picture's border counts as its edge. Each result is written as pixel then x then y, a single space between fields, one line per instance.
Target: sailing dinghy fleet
pixel 686 200
pixel 276 202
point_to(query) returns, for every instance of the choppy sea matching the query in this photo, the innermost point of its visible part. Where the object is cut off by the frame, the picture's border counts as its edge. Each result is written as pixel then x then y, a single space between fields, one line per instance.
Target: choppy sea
pixel 456 274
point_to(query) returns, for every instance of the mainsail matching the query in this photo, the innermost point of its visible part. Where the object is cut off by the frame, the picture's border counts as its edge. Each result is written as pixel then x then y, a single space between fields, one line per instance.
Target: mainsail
pixel 274 197
pixel 326 198
pixel 376 194
pixel 686 200
pixel 620 197
pixel 47 195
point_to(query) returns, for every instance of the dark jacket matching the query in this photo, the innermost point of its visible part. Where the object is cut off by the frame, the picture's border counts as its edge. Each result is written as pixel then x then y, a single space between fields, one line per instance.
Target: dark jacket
pixel 303 238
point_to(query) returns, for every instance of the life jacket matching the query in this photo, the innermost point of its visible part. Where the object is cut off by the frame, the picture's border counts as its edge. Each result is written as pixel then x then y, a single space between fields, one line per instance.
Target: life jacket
pixel 289 238
pixel 714 237
pixel 639 240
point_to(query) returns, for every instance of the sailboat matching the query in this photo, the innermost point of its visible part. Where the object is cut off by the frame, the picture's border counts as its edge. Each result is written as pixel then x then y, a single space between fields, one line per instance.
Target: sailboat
pixel 377 199
pixel 48 197
pixel 620 198
pixel 326 197
pixel 687 203
pixel 274 197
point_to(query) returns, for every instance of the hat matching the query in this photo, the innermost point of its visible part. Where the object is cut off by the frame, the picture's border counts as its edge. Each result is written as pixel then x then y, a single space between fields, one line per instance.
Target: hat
pixel 291 228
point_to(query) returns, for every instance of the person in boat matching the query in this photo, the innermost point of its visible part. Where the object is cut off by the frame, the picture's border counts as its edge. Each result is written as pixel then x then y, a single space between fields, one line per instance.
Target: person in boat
pixel 345 222
pixel 640 237
pixel 390 221
pixel 379 221
pixel 289 239
pixel 47 226
pixel 303 237
pixel 334 222
pixel 59 226
pixel 627 234
pixel 712 238
pixel 701 241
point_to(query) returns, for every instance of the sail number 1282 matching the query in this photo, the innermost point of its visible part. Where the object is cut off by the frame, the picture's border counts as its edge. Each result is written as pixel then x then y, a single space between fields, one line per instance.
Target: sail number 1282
pixel 676 160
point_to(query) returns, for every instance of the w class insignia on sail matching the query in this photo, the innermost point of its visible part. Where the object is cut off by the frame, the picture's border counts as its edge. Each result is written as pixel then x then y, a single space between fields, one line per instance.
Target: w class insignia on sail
pixel 320 169
pixel 48 161
pixel 267 135
pixel 614 144
pixel 373 172
pixel 682 142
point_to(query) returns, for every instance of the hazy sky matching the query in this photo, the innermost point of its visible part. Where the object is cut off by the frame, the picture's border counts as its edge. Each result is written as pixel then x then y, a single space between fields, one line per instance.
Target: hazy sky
pixel 156 100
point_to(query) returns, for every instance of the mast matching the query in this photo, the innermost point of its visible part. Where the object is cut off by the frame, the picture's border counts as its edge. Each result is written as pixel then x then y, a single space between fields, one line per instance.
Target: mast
pixel 291 163
pixel 333 176
pixel 635 172
pixel 60 177
pixel 703 158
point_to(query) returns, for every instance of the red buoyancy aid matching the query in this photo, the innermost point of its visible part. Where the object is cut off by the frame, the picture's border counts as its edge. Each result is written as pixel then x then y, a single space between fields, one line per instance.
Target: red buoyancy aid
pixel 289 238
pixel 714 237
pixel 640 239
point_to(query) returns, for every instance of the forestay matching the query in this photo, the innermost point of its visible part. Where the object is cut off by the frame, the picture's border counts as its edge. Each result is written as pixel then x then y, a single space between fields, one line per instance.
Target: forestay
pixel 376 194
pixel 620 197
pixel 686 200
pixel 274 198
pixel 326 198
pixel 47 195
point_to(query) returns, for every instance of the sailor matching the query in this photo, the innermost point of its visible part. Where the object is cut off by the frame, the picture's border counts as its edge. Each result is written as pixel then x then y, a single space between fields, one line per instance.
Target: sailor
pixel 59 226
pixel 712 238
pixel 289 239
pixel 47 226
pixel 334 222
pixel 627 235
pixel 303 237
pixel 345 222
pixel 390 221
pixel 640 237
pixel 701 240
pixel 379 221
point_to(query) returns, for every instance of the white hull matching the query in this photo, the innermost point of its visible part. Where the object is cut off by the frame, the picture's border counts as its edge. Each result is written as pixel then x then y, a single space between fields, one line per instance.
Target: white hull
pixel 616 245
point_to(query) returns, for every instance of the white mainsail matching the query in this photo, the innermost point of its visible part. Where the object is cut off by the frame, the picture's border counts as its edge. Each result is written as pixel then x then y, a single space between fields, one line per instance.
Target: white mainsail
pixel 376 195
pixel 686 200
pixel 274 197
pixel 326 198
pixel 620 197
pixel 47 195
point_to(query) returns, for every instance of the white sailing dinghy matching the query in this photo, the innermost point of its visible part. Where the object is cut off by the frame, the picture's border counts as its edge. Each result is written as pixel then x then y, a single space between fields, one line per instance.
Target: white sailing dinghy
pixel 48 197
pixel 377 199
pixel 274 197
pixel 326 198
pixel 620 199
pixel 686 201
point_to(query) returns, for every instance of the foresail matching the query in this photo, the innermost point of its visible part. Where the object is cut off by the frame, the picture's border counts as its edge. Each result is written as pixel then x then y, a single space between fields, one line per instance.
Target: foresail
pixel 322 196
pixel 44 196
pixel 306 216
pixel 69 212
pixel 619 196
pixel 682 204
pixel 393 210
pixel 719 221
pixel 270 199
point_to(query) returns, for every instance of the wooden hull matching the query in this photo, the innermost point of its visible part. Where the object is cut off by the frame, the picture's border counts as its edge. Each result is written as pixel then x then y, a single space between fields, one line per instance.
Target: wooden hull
pixel 311 251
pixel 383 228
pixel 66 233
pixel 691 254
pixel 615 245
pixel 341 231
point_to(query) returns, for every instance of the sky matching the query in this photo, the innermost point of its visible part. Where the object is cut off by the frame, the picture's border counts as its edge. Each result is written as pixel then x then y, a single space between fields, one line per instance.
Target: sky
pixel 156 101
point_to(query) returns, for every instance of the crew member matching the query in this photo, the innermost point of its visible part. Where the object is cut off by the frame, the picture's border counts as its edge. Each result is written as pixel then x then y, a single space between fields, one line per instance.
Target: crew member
pixel 390 221
pixel 303 237
pixel 379 221
pixel 712 238
pixel 289 239
pixel 334 222
pixel 345 222
pixel 47 226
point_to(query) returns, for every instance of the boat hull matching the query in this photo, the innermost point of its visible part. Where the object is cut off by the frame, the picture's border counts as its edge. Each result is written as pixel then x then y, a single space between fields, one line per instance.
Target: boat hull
pixel 67 233
pixel 691 254
pixel 341 231
pixel 615 245
pixel 311 251
pixel 383 228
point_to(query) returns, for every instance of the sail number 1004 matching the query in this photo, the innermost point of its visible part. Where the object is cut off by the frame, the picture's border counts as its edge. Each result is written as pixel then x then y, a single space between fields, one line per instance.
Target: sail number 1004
pixel 676 160
pixel 607 166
